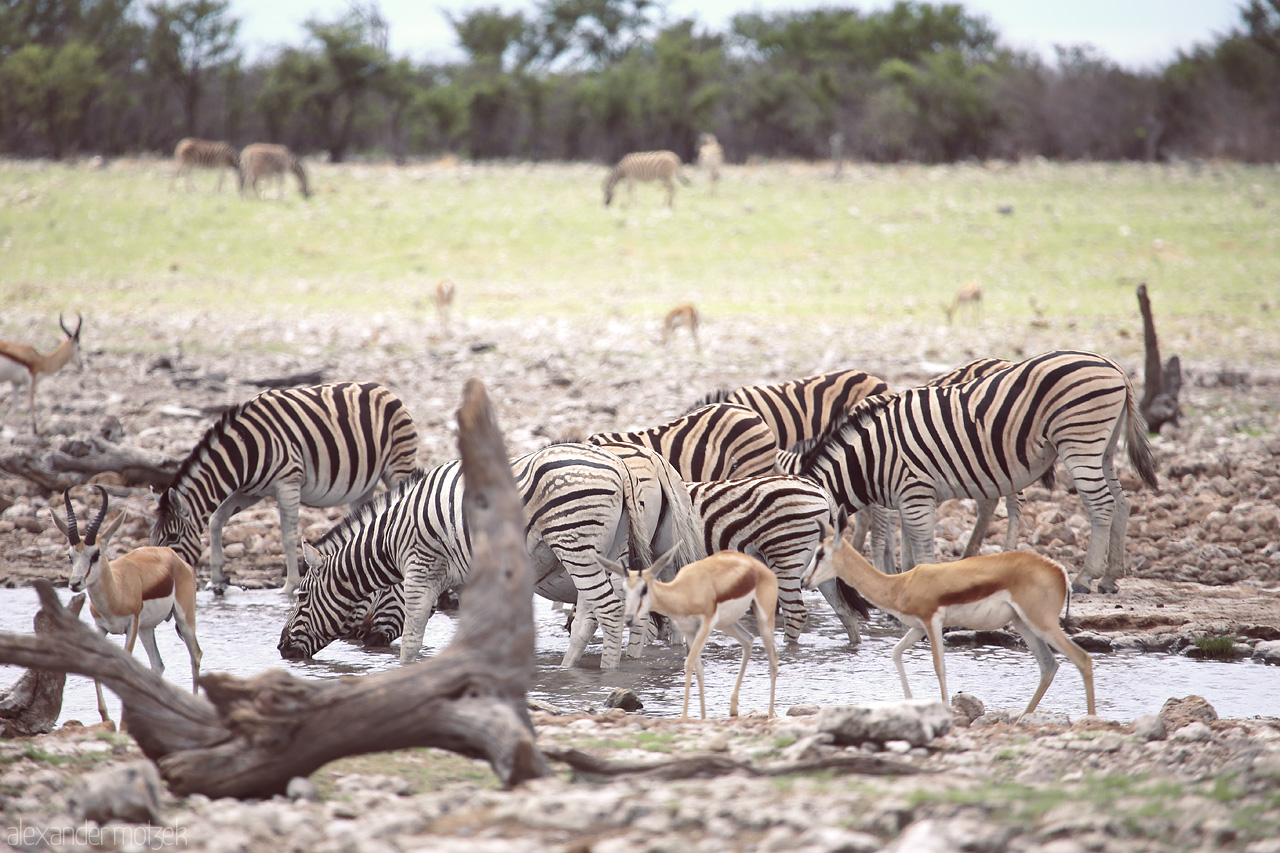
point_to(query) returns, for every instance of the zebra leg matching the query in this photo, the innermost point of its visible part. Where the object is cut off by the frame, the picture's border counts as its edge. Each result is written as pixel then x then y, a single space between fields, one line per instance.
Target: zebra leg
pixel 234 503
pixel 919 520
pixel 1100 505
pixel 1013 505
pixel 831 592
pixel 422 587
pixel 289 500
pixel 1119 526
pixel 582 629
pixel 986 512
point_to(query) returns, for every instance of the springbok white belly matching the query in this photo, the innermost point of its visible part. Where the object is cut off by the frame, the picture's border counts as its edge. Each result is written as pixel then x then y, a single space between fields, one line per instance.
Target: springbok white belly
pixel 154 612
pixel 994 611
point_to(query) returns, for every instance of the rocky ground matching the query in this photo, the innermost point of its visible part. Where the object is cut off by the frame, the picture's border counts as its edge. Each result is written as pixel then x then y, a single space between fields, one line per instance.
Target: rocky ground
pixel 1204 561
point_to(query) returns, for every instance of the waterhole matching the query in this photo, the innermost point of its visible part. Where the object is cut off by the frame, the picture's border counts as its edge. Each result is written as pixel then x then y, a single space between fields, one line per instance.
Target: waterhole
pixel 238 633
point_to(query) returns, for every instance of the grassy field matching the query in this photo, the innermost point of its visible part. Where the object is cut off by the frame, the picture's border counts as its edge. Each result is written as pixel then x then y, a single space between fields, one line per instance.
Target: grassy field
pixel 881 244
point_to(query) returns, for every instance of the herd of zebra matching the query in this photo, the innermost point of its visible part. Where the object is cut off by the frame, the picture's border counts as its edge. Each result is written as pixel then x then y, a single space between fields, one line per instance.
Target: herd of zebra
pixel 259 161
pixel 764 467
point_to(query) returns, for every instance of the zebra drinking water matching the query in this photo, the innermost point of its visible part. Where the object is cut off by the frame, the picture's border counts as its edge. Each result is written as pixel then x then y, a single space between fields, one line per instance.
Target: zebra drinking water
pixel 323 445
pixel 260 160
pixel 990 437
pixel 579 501
pixel 645 166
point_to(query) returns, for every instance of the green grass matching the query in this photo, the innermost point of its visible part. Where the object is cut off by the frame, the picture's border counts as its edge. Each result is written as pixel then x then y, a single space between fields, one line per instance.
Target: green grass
pixel 1220 647
pixel 885 243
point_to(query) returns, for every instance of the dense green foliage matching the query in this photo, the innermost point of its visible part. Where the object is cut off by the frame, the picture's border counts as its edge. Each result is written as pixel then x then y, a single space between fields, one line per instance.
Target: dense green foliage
pixel 591 79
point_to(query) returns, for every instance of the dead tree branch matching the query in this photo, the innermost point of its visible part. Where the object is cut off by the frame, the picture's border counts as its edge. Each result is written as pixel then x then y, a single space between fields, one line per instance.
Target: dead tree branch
pixel 1161 384
pixel 79 459
pixel 591 768
pixel 250 736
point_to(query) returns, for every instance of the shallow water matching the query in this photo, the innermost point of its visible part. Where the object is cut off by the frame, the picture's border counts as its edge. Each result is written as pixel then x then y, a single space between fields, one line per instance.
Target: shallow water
pixel 238 634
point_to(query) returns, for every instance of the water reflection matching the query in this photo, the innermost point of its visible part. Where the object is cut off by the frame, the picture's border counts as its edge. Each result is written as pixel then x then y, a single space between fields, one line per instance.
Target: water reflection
pixel 239 632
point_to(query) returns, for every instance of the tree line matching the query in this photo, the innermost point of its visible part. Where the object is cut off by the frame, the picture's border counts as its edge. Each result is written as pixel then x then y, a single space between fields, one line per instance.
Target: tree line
pixel 592 79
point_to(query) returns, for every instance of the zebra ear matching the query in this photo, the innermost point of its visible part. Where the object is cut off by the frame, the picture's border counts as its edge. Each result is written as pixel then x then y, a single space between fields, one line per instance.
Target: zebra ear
pixel 842 520
pixel 610 565
pixel 310 556
pixel 176 501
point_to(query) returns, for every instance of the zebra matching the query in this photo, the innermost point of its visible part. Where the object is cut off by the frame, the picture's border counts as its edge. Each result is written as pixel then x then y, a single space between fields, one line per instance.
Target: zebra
pixel 205 153
pixel 779 516
pixel 261 160
pixel 580 500
pixel 646 166
pixel 710 157
pixel 715 442
pixel 800 410
pixel 989 437
pixel 322 445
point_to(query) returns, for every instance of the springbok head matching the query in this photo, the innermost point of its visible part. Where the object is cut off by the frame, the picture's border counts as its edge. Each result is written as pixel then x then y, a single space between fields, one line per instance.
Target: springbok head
pixel 86 553
pixel 637 587
pixel 74 339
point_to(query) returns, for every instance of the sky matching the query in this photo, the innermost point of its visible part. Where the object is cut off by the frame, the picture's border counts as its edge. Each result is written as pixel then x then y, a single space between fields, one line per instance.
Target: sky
pixel 1137 34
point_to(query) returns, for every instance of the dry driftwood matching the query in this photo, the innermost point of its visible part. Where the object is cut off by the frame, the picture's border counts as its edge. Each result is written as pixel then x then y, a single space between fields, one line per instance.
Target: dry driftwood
pixel 32 705
pixel 292 380
pixel 250 736
pixel 592 768
pixel 1159 404
pixel 78 459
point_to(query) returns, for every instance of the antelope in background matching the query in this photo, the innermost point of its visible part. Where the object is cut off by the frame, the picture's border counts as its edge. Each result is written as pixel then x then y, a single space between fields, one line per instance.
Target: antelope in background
pixel 206 154
pixel 260 160
pixel 133 594
pixel 443 299
pixel 682 315
pixel 969 293
pixel 20 363
pixel 710 157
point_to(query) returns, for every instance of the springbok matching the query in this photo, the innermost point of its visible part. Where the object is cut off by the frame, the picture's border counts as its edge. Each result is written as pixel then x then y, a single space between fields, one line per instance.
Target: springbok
pixel 984 592
pixel 714 592
pixel 969 293
pixel 682 315
pixel 443 299
pixel 132 594
pixel 20 364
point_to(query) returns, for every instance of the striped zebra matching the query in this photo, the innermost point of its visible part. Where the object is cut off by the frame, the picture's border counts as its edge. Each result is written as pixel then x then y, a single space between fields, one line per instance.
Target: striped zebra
pixel 800 410
pixel 260 160
pixel 645 166
pixel 779 516
pixel 206 154
pixel 715 442
pixel 990 437
pixel 579 501
pixel 710 157
pixel 323 445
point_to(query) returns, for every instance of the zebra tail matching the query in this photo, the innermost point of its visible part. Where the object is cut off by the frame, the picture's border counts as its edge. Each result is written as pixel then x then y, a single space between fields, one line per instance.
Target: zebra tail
pixel 1136 438
pixel 854 599
pixel 639 551
pixel 686 527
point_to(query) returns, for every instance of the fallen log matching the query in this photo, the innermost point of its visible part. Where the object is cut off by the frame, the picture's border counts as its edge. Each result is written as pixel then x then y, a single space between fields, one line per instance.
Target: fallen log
pixel 32 704
pixel 1161 383
pixel 249 737
pixel 77 460
pixel 592 768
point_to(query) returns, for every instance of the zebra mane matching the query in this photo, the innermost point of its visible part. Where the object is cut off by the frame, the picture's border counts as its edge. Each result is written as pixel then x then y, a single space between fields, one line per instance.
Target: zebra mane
pixel 198 453
pixel 344 531
pixel 719 396
pixel 855 416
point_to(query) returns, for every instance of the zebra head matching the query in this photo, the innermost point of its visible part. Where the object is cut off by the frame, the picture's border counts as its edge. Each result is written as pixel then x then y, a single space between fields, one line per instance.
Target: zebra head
pixel 177 527
pixel 320 615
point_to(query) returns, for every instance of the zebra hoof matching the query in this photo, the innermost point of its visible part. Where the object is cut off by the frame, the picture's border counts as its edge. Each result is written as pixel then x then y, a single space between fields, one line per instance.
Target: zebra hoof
pixel 1078 588
pixel 219 588
pixel 1108 588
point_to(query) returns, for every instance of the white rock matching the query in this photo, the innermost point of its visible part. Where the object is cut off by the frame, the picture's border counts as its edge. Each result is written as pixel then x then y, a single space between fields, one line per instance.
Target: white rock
pixel 1196 732
pixel 916 721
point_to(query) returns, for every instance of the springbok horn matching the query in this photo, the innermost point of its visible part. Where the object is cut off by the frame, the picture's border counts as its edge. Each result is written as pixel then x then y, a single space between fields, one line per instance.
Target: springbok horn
pixel 91 534
pixel 69 333
pixel 72 533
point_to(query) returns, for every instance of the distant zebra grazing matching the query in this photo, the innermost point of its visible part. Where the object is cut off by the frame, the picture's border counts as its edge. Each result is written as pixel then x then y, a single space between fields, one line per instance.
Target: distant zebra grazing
pixel 710 157
pixel 323 445
pixel 714 442
pixel 259 160
pixel 579 501
pixel 646 166
pixel 989 437
pixel 205 154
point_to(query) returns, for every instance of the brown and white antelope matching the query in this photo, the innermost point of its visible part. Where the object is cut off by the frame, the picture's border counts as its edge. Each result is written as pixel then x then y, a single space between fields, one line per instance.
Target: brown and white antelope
pixel 132 594
pixel 443 299
pixel 260 160
pixel 21 364
pixel 206 154
pixel 984 592
pixel 710 157
pixel 682 315
pixel 661 166
pixel 714 592
pixel 969 293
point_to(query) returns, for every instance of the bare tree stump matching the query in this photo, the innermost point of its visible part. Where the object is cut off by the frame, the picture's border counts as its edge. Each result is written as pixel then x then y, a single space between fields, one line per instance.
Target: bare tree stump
pixel 251 736
pixel 1159 404
pixel 32 705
